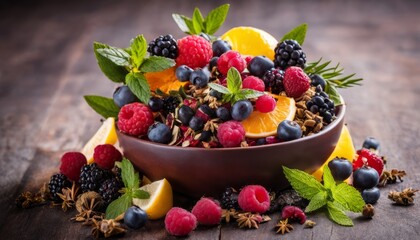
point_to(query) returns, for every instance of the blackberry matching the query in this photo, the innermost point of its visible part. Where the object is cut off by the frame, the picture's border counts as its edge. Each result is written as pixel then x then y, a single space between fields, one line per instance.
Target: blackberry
pixel 322 104
pixel 164 46
pixel 57 183
pixel 91 177
pixel 273 80
pixel 289 53
pixel 170 104
pixel 230 199
pixel 109 190
pixel 287 198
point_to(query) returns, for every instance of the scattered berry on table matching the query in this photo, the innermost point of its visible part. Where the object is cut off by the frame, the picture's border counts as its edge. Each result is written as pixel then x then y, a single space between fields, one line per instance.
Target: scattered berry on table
pixel 170 103
pixel 57 183
pixel 288 130
pixel 207 211
pixel 295 82
pixel 254 198
pixel 371 195
pixel 180 222
pixel 317 80
pixel 259 65
pixel 219 47
pixel 185 113
pixel 252 82
pixel 322 104
pixel 194 51
pixel 164 46
pixel 287 198
pixel 155 104
pixel 183 73
pixel 371 143
pixel 134 119
pixel 231 134
pixel 230 59
pixel 196 123
pixel 123 96
pixel 341 168
pixel 71 164
pixel 109 190
pixel 105 155
pixel 241 110
pixel 365 178
pixel 293 214
pixel 135 217
pixel 229 199
pixel 265 104
pixel 159 132
pixel 273 80
pixel 372 159
pixel 223 114
pixel 200 77
pixel 92 176
pixel 289 53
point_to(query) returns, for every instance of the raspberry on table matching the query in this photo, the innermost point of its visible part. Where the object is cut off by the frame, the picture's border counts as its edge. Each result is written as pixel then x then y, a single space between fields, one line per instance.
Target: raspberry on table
pixel 230 59
pixel 265 104
pixel 293 214
pixel 194 51
pixel 295 82
pixel 105 155
pixel 180 222
pixel 231 134
pixel 71 164
pixel 135 119
pixel 207 211
pixel 255 83
pixel 373 160
pixel 254 198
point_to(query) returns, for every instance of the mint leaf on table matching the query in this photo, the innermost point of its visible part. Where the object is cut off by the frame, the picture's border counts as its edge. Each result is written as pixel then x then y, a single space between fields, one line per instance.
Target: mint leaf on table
pixel 298 33
pixel 328 178
pixel 102 105
pixel 348 197
pixel 113 71
pixel 118 206
pixel 139 86
pixel 138 50
pixel 306 185
pixel 317 201
pixel 338 215
pixel 156 64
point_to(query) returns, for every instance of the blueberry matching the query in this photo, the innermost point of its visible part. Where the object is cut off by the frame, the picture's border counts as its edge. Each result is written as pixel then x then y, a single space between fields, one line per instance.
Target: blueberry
pixel 288 130
pixel 223 114
pixel 183 73
pixel 135 217
pixel 341 168
pixel 205 136
pixel 216 94
pixel 200 78
pixel 185 113
pixel 365 177
pixel 196 123
pixel 260 141
pixel 219 47
pixel 207 110
pixel 241 110
pixel 155 104
pixel 317 80
pixel 259 65
pixel 123 96
pixel 213 63
pixel 159 132
pixel 371 195
pixel 371 143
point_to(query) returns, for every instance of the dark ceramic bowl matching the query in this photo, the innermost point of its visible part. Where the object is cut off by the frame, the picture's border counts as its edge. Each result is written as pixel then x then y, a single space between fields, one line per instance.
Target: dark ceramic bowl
pixel 197 171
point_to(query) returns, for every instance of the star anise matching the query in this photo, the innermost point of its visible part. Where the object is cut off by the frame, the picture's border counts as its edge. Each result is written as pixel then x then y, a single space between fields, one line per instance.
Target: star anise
pixel 284 227
pixel 87 205
pixel 390 177
pixel 106 228
pixel 69 196
pixel 227 215
pixel 248 220
pixel 405 198
pixel 28 199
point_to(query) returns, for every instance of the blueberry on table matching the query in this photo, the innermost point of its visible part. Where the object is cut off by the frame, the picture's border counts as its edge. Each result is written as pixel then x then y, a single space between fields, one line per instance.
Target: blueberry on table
pixel 288 130
pixel 371 143
pixel 135 217
pixel 371 195
pixel 341 168
pixel 365 178
pixel 159 132
pixel 123 96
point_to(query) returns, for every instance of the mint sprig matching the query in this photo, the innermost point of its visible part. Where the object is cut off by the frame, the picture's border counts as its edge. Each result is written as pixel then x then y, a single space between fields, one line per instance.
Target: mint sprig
pixel 131 190
pixel 199 24
pixel 298 33
pixel 336 199
pixel 234 92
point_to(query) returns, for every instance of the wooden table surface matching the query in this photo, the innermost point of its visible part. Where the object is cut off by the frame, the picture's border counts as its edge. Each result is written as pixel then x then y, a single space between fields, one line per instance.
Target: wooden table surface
pixel 47 65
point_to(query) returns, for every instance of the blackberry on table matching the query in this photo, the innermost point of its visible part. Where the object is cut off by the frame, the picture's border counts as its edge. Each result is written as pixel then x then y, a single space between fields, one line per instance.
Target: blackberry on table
pixel 56 184
pixel 164 46
pixel 287 198
pixel 109 190
pixel 230 199
pixel 322 104
pixel 289 53
pixel 273 80
pixel 92 176
pixel 170 104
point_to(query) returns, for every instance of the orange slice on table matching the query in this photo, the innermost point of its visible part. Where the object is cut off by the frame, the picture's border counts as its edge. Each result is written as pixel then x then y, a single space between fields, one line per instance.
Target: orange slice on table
pixel 164 80
pixel 259 124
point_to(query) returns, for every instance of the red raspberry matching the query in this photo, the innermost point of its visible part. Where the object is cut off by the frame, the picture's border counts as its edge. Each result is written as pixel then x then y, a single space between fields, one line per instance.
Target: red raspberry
pixel 106 155
pixel 135 119
pixel 372 159
pixel 293 214
pixel 231 134
pixel 248 59
pixel 252 82
pixel 254 198
pixel 230 59
pixel 180 222
pixel 207 211
pixel 71 164
pixel 194 51
pixel 295 82
pixel 265 103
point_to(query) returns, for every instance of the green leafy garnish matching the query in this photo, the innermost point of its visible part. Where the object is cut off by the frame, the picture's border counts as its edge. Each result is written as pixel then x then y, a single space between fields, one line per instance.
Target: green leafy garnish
pixel 131 190
pixel 335 198
pixel 234 92
pixel 113 71
pixel 298 33
pixel 198 24
pixel 138 85
pixel 103 106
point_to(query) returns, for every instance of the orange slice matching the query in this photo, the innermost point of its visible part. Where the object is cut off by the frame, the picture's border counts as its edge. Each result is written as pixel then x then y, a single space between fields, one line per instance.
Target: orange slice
pixel 164 80
pixel 259 125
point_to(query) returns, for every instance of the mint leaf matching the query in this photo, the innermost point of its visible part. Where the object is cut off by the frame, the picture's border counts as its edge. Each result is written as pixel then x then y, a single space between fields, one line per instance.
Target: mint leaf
pixel 306 185
pixel 156 64
pixel 198 21
pixel 337 215
pixel 128 175
pixel 234 80
pixel 250 93
pixel 298 33
pixel 139 86
pixel 328 178
pixel 138 50
pixel 115 55
pixel 184 23
pixel 317 201
pixel 216 18
pixel 333 94
pixel 118 206
pixel 111 70
pixel 140 194
pixel 349 197
pixel 219 88
pixel 103 106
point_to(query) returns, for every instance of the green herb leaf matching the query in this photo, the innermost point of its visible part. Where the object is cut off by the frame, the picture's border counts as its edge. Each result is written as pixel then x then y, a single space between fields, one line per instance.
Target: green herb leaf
pixel 317 201
pixel 328 178
pixel 216 18
pixel 234 80
pixel 184 23
pixel 128 175
pixel 114 72
pixel 298 33
pixel 138 50
pixel 251 93
pixel 156 64
pixel 333 94
pixel 118 206
pixel 115 55
pixel 337 215
pixel 139 86
pixel 103 106
pixel 306 185
pixel 140 194
pixel 198 21
pixel 349 197
pixel 219 88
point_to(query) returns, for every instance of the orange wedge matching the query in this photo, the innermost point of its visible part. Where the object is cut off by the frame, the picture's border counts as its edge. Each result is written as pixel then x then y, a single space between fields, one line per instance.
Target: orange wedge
pixel 164 80
pixel 259 125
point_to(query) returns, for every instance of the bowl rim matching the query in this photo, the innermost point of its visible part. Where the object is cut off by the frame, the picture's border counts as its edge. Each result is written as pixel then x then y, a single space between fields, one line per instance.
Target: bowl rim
pixel 341 109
